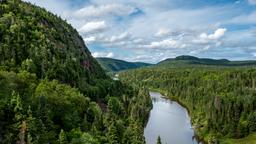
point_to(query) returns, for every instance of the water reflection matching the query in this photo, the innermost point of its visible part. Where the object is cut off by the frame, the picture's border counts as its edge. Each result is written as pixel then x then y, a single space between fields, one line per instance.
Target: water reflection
pixel 169 120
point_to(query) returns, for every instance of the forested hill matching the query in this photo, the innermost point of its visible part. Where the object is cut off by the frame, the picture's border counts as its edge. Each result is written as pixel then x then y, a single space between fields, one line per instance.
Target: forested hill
pixel 114 65
pixel 42 43
pixel 53 91
pixel 221 101
pixel 185 60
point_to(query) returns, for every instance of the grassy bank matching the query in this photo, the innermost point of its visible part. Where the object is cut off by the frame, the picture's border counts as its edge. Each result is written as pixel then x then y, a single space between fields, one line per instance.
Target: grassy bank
pixel 251 139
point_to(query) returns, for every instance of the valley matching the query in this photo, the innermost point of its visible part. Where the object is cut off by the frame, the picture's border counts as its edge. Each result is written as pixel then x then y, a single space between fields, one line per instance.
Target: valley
pixel 221 101
pixel 61 81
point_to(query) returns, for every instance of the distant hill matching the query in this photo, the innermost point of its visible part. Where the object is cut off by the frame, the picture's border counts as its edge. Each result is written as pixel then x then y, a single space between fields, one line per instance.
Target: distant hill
pixel 185 60
pixel 114 65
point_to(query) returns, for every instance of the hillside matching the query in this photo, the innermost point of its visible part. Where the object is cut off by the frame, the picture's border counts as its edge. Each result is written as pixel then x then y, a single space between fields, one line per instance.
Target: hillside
pixel 46 45
pixel 115 65
pixel 53 91
pixel 221 101
pixel 184 61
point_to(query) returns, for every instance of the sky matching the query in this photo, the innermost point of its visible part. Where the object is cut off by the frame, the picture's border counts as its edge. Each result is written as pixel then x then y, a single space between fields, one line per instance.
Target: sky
pixel 153 30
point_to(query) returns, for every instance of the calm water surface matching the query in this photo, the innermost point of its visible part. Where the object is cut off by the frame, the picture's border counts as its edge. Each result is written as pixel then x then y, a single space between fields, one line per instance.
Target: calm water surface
pixel 170 121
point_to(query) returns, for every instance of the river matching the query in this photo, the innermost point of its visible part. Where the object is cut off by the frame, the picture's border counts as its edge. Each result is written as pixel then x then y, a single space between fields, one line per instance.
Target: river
pixel 170 121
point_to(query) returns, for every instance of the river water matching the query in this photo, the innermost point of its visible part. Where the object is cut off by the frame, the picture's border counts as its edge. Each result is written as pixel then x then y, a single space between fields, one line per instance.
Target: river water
pixel 170 121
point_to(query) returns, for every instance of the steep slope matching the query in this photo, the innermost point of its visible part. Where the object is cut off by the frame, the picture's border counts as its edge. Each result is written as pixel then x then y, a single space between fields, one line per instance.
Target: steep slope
pixel 184 61
pixel 53 91
pixel 115 65
pixel 38 41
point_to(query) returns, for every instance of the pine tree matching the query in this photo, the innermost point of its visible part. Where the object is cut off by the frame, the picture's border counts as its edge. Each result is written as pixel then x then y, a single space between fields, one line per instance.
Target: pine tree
pixel 62 137
pixel 158 140
pixel 20 124
pixel 112 134
pixel 31 126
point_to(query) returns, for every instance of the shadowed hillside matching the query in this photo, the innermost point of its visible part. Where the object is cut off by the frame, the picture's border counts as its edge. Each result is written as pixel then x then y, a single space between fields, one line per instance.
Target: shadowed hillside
pixel 114 65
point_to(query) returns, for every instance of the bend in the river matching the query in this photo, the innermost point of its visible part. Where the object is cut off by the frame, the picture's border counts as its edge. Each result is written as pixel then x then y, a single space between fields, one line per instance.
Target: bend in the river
pixel 170 121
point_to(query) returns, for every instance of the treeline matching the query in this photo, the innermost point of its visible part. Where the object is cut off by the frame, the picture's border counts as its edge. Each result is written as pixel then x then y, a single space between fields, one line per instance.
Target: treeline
pixel 53 91
pixel 222 102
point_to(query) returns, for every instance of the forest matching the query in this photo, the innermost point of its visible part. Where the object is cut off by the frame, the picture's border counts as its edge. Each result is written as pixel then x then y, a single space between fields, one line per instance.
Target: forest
pixel 53 91
pixel 221 100
pixel 114 65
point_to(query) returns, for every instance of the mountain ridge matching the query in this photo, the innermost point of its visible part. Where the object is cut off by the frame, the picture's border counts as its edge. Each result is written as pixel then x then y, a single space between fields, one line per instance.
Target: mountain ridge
pixel 186 60
pixel 115 65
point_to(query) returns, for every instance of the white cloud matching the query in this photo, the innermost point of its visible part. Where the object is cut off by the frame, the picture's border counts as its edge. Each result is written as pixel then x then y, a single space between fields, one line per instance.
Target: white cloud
pixel 217 34
pixel 137 41
pixel 167 43
pixel 114 40
pixel 122 36
pixel 197 51
pixel 103 54
pixel 103 10
pixel 162 32
pixel 205 38
pixel 92 27
pixel 90 39
pixel 159 26
pixel 252 2
pixel 110 55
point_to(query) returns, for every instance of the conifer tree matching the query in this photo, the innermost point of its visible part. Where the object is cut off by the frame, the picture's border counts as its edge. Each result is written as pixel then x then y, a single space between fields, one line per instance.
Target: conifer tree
pixel 158 140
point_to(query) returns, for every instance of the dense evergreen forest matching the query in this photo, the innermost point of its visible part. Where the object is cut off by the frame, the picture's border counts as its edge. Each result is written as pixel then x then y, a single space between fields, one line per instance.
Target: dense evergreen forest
pixel 192 61
pixel 221 101
pixel 115 65
pixel 53 91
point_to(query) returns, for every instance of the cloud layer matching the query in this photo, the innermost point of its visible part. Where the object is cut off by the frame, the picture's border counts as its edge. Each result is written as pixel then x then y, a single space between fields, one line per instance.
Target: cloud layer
pixel 157 29
pixel 93 11
pixel 103 54
pixel 204 38
pixel 93 27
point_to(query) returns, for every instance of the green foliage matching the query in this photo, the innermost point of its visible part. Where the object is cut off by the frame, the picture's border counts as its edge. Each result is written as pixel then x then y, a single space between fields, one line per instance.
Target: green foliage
pixel 221 101
pixel 158 140
pixel 53 91
pixel 62 137
pixel 28 65
pixel 39 42
pixel 114 65
pixel 185 61
pixel 115 107
pixel 247 140
pixel 252 122
pixel 49 111
pixel 112 134
pixel 79 137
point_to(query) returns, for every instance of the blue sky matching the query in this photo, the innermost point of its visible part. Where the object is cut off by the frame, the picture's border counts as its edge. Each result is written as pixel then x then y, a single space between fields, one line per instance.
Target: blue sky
pixel 153 30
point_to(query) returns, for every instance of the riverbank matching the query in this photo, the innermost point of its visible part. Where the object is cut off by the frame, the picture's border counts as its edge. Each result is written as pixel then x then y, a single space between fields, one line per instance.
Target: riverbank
pixel 250 139
pixel 199 138
pixel 166 117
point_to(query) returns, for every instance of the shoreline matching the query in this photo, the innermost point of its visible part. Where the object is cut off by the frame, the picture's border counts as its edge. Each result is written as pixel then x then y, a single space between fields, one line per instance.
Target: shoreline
pixel 198 138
